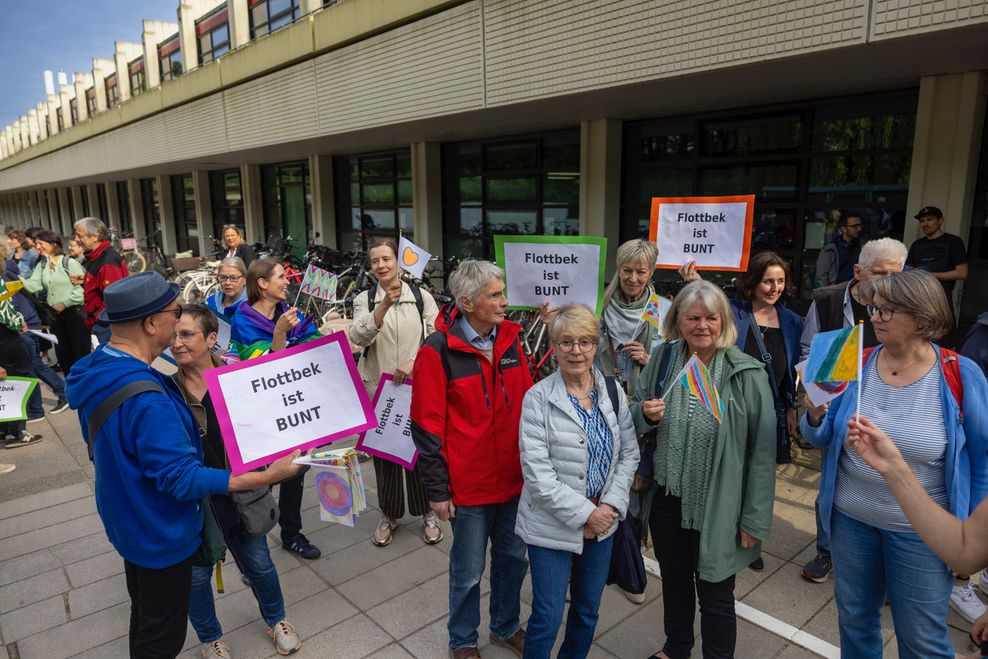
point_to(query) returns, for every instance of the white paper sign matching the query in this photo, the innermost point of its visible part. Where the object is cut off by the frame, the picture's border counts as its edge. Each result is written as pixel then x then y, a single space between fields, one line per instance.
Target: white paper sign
pixel 301 397
pixel 45 335
pixel 14 392
pixel 713 231
pixel 557 272
pixel 412 258
pixel 391 439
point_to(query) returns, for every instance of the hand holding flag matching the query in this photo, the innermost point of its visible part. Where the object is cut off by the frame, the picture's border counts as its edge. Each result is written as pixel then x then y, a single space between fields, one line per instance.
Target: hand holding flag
pixel 696 377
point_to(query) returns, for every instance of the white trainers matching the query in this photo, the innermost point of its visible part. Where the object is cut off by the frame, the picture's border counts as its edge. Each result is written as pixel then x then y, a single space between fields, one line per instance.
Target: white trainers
pixel 218 649
pixel 286 641
pixel 965 601
pixel 431 533
pixel 982 583
pixel 382 535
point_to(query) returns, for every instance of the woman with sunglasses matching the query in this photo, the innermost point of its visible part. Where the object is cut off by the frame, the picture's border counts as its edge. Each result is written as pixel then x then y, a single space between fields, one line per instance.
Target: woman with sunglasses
pixel 906 391
pixel 233 287
pixel 235 245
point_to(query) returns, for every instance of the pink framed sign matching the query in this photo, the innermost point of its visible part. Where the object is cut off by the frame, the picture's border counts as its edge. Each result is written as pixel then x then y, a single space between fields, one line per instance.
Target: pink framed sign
pixel 391 436
pixel 298 398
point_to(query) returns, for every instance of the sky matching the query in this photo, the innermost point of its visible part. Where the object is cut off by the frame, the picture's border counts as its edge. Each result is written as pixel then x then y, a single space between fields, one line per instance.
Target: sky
pixel 63 35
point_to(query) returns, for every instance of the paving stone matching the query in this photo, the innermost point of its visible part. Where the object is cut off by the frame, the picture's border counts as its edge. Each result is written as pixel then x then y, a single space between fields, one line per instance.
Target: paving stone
pixel 98 596
pixel 330 538
pixel 319 612
pixel 33 589
pixel 95 569
pixel 747 579
pixel 359 559
pixel 354 637
pixel 393 578
pixel 44 499
pixel 797 652
pixel 80 549
pixel 393 651
pixel 78 635
pixel 824 624
pixel 639 635
pixel 119 647
pixel 793 529
pixel 47 537
pixel 414 608
pixel 789 598
pixel 27 565
pixel 37 519
pixel 754 641
pixel 37 617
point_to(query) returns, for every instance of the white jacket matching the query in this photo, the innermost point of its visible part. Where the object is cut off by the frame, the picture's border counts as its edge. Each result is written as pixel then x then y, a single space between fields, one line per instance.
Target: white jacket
pixel 554 507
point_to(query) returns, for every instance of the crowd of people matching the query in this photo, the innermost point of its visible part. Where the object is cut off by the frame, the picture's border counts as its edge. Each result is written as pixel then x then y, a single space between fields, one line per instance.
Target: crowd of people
pixel 541 476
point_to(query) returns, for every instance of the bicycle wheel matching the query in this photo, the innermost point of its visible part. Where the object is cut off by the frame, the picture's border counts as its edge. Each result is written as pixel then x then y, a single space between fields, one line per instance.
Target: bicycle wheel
pixel 135 261
pixel 195 292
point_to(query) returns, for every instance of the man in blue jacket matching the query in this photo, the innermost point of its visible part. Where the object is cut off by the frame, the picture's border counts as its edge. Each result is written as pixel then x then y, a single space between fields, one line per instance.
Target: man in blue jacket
pixel 150 479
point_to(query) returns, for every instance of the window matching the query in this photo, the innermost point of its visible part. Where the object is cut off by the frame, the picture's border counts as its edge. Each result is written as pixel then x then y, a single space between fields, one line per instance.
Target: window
pixel 91 101
pixel 975 297
pixel 123 208
pixel 806 165
pixel 519 186
pixel 152 211
pixel 74 111
pixel 101 207
pixel 213 35
pixel 227 201
pixel 270 15
pixel 112 91
pixel 138 78
pixel 184 203
pixel 84 198
pixel 287 204
pixel 375 192
pixel 170 58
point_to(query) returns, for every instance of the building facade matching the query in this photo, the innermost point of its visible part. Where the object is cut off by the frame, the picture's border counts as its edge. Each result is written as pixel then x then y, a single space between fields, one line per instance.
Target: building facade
pixel 456 120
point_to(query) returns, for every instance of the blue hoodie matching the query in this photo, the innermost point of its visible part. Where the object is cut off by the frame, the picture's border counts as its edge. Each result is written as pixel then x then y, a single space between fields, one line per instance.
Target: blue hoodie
pixel 148 458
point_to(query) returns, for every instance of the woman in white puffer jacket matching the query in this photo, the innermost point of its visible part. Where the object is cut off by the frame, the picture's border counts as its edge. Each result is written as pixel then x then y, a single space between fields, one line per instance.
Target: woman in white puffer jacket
pixel 578 458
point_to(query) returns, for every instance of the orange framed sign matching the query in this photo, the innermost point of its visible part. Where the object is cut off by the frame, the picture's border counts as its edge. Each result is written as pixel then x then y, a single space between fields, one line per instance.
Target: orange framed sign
pixel 713 231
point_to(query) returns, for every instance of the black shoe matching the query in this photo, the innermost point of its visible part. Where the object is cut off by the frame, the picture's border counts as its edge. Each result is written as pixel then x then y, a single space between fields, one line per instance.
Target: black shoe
pixel 25 439
pixel 301 546
pixel 243 577
pixel 60 406
pixel 757 565
pixel 818 569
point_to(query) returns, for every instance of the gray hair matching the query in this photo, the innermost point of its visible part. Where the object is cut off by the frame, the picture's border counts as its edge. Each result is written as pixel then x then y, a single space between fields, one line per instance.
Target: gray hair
pixel 93 227
pixel 576 318
pixel 234 262
pixel 470 277
pixel 633 251
pixel 711 298
pixel 919 294
pixel 883 249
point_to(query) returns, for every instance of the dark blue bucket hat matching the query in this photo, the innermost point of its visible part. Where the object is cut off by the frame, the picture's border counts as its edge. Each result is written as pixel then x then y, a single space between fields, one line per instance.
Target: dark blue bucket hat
pixel 136 296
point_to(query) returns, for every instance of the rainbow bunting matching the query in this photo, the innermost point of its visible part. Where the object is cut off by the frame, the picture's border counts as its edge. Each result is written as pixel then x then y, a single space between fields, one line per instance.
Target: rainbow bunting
pixel 695 376
pixel 652 315
pixel 834 356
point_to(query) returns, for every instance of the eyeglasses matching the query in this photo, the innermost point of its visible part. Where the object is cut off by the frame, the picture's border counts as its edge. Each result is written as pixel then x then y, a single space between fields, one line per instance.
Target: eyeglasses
pixel 176 312
pixel 586 345
pixel 186 336
pixel 884 313
pixel 233 278
pixel 854 226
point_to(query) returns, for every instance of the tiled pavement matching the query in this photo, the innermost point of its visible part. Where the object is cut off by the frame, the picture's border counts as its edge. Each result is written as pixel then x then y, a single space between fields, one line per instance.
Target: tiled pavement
pixel 62 590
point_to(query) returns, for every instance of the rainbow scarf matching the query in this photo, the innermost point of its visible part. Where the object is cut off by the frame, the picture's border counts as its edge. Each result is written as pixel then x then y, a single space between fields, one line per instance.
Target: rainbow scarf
pixel 251 333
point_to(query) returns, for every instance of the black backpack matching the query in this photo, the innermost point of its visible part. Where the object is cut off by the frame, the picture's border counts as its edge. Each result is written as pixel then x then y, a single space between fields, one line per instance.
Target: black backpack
pixel 419 303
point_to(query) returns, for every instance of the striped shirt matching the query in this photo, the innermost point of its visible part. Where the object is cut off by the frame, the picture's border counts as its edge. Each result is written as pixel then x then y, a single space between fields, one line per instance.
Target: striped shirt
pixel 599 443
pixel 912 416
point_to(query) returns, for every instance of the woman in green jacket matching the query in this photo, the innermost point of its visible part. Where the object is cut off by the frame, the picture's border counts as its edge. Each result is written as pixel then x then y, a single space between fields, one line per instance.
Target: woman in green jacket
pixel 54 275
pixel 714 481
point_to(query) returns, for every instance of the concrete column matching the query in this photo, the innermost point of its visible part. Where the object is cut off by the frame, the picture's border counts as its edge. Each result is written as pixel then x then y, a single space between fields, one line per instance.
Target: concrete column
pixel 166 207
pixel 42 110
pixel 239 23
pixel 54 221
pixel 33 130
pixel 78 212
pixel 65 206
pixel 427 202
pixel 600 182
pixel 112 205
pixel 187 36
pixel 25 132
pixel 125 53
pixel 53 110
pixel 309 6
pixel 154 33
pixel 83 81
pixel 93 195
pixel 323 199
pixel 250 184
pixel 41 199
pixel 204 210
pixel 101 69
pixel 137 209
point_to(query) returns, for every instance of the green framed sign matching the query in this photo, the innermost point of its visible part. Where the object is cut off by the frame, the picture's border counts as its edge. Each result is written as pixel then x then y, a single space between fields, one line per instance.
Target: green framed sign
pixel 554 269
pixel 14 392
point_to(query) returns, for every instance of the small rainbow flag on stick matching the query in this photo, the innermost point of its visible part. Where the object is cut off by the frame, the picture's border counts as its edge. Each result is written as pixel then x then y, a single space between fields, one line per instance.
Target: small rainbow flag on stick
pixel 695 376
pixel 652 314
pixel 835 357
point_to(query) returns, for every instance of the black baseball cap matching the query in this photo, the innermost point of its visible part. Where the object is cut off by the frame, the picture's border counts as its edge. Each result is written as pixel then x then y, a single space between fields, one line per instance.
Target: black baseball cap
pixel 928 210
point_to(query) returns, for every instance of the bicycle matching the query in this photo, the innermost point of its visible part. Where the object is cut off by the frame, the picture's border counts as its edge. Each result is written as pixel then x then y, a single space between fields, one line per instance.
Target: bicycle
pixel 126 246
pixel 534 337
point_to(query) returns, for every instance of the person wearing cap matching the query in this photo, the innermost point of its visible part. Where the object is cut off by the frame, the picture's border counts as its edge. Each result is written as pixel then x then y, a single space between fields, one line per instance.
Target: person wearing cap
pixel 941 254
pixel 148 458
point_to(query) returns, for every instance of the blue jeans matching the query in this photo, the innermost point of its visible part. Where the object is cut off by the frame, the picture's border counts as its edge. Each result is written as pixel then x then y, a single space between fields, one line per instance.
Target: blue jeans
pixel 868 563
pixel 44 373
pixel 254 560
pixel 473 526
pixel 822 541
pixel 552 571
pixel 102 333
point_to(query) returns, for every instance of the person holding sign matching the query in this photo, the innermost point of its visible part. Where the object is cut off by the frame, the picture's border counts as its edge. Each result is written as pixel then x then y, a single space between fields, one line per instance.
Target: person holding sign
pixel 14 361
pixel 714 481
pixel 930 402
pixel 195 336
pixel 391 327
pixel 147 452
pixel 267 324
pixel 470 380
pixel 579 452
pixel 233 287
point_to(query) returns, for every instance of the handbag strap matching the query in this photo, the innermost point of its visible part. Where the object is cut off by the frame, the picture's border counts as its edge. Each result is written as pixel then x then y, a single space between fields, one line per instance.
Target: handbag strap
pixel 112 402
pixel 766 357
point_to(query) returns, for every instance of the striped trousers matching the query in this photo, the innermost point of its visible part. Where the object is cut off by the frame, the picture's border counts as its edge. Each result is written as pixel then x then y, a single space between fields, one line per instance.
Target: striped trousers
pixel 391 495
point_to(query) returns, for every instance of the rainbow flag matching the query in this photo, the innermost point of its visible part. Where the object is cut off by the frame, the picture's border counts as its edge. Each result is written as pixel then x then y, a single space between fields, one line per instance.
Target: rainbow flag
pixel 651 314
pixel 319 283
pixel 834 356
pixel 695 376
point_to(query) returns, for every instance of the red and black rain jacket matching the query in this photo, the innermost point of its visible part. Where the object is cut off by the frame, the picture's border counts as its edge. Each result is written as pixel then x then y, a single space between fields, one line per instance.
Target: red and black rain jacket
pixel 465 414
pixel 103 267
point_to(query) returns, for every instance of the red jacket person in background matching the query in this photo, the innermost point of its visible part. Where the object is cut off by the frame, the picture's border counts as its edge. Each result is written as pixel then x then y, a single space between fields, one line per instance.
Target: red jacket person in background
pixel 469 382
pixel 103 267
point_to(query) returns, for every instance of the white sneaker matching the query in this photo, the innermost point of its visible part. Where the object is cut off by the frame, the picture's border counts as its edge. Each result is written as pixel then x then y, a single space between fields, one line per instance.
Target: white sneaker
pixel 218 649
pixel 286 641
pixel 965 601
pixel 982 584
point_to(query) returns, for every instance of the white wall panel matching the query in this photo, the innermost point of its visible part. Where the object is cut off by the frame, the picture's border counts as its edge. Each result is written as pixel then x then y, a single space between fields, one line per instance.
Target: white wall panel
pixel 897 18
pixel 196 128
pixel 275 108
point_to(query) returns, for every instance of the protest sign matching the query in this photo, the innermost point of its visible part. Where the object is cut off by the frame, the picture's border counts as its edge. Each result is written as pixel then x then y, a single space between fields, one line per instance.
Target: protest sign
pixel 557 269
pixel 713 231
pixel 14 392
pixel 339 485
pixel 301 397
pixel 412 258
pixel 392 438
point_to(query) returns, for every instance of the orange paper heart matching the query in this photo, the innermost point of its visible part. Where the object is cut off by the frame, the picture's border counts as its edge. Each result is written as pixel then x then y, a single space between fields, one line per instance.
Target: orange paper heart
pixel 409 257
